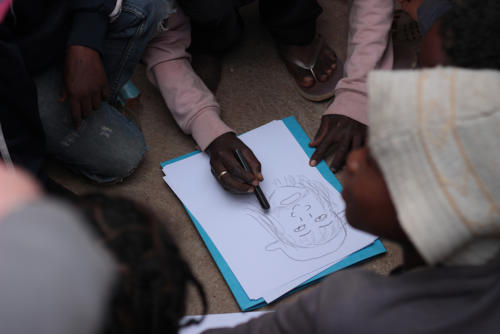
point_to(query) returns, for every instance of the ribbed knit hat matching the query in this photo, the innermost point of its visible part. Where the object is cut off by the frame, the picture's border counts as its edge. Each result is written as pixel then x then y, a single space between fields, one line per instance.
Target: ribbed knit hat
pixel 436 136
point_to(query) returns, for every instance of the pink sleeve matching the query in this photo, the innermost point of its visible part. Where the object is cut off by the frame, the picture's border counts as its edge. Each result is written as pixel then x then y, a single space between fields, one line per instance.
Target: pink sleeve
pixel 369 47
pixel 191 103
pixel 4 6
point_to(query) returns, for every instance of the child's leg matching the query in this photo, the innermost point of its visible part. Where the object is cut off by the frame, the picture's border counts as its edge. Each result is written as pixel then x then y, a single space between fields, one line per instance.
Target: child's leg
pixel 108 146
pixel 429 11
pixel 128 36
pixel 425 12
pixel 216 25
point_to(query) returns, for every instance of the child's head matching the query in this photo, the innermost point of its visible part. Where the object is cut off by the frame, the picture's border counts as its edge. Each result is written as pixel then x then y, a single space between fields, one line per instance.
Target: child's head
pixel 153 276
pixel 430 175
pixel 369 206
pixel 465 36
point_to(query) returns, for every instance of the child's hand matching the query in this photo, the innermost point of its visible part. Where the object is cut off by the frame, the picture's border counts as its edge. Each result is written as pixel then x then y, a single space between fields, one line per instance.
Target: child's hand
pixel 85 82
pixel 16 188
pixel 228 170
pixel 337 135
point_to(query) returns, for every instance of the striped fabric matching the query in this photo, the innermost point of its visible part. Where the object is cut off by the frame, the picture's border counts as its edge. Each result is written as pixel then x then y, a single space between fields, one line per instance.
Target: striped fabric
pixel 435 134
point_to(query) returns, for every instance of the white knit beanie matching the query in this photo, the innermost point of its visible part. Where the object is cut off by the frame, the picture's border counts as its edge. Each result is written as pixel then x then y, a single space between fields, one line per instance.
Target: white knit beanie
pixel 436 136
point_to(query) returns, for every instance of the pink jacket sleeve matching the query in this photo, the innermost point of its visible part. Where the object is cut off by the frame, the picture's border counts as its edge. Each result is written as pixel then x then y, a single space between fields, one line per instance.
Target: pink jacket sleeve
pixel 369 47
pixel 191 103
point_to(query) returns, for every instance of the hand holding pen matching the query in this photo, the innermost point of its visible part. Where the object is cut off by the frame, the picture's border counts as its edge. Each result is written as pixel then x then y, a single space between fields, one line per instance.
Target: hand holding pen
pixel 226 168
pixel 258 192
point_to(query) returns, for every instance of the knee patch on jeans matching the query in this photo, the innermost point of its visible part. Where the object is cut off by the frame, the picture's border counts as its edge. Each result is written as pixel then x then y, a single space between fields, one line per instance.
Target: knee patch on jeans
pixel 122 165
pixel 110 157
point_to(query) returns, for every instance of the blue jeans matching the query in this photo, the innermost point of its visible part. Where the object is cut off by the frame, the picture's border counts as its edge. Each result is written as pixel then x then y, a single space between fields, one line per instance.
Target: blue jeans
pixel 108 147
pixel 429 12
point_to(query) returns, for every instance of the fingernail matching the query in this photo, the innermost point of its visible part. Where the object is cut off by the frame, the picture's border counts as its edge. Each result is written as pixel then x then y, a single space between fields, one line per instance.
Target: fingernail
pixel 313 163
pixel 250 190
pixel 255 183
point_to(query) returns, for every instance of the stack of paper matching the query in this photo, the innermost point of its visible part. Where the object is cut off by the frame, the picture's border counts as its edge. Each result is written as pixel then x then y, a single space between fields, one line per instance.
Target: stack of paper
pixel 270 252
pixel 221 320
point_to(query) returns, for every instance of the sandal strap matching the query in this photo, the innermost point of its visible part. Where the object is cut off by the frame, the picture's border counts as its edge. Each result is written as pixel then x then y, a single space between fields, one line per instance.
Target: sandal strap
pixel 310 63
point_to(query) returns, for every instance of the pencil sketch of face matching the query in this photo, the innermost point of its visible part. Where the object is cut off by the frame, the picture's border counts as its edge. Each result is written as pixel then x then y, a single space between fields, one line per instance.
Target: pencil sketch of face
pixel 302 218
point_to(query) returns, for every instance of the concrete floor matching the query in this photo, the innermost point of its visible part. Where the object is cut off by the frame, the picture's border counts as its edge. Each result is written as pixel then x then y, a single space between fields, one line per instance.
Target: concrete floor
pixel 255 89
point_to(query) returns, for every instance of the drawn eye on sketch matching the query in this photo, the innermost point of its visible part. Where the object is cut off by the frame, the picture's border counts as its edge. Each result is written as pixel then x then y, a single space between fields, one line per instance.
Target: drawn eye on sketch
pixel 304 219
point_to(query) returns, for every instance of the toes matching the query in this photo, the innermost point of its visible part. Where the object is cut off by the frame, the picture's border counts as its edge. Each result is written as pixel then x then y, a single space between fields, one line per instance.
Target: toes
pixel 326 65
pixel 330 54
pixel 325 76
pixel 302 77
pixel 324 68
pixel 307 81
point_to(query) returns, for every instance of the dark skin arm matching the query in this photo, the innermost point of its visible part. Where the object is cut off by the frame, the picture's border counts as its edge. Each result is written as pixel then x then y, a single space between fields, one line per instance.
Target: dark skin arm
pixel 85 82
pixel 237 180
pixel 337 135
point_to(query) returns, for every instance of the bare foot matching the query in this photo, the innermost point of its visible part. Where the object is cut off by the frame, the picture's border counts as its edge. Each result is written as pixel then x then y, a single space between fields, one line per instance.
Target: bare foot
pixel 323 64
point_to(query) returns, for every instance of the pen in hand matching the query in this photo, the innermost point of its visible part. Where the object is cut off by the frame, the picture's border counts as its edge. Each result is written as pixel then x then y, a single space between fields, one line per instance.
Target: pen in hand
pixel 258 192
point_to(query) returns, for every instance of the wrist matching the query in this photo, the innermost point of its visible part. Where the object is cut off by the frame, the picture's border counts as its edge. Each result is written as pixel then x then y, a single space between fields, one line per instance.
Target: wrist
pixel 227 136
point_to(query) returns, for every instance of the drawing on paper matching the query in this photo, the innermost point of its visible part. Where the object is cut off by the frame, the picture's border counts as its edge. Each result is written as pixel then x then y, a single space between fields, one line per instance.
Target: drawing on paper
pixel 304 219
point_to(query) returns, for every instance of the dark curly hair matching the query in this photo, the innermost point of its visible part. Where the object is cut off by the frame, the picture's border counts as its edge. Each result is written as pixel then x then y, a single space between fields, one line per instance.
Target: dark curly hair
pixel 470 31
pixel 149 297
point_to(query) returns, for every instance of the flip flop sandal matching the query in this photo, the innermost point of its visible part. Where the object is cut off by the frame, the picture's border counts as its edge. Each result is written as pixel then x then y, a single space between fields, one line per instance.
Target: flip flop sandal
pixel 320 91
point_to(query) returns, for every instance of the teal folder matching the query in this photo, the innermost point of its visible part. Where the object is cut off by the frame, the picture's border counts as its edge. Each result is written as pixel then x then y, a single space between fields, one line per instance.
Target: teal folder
pixel 245 303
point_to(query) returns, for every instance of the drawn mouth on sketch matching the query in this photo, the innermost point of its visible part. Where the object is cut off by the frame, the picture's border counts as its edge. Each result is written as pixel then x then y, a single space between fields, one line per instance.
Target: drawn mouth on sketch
pixel 304 220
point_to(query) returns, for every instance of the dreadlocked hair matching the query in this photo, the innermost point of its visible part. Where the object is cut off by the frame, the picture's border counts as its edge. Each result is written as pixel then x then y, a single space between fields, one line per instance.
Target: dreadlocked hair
pixel 150 295
pixel 470 31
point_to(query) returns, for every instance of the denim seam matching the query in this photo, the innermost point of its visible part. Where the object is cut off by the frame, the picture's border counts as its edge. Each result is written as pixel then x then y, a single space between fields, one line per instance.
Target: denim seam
pixel 128 49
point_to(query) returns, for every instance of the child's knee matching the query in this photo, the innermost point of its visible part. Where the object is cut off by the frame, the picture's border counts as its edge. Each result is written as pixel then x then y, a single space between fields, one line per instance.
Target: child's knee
pixel 124 163
pixel 112 161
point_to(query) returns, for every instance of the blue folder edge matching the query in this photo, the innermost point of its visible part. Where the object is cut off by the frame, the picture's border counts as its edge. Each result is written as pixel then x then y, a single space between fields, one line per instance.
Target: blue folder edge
pixel 245 303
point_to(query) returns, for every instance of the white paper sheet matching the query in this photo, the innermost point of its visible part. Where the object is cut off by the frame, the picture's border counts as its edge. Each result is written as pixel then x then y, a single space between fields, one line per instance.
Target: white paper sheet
pixel 275 293
pixel 304 230
pixel 217 321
